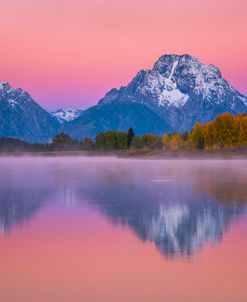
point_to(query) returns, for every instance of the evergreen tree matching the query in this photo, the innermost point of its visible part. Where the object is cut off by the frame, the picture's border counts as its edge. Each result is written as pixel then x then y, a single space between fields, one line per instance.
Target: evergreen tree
pixel 130 137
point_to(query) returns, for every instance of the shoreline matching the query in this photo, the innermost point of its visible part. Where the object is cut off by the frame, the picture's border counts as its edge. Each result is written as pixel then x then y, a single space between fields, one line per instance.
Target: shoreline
pixel 140 154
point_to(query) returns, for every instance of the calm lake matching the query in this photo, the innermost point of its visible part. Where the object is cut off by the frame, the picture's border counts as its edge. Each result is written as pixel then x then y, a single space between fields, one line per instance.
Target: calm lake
pixel 104 229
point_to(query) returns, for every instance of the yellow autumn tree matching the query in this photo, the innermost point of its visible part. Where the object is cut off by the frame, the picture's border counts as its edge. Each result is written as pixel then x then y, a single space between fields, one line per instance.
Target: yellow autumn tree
pixel 196 137
pixel 165 140
pixel 226 129
pixel 176 142
pixel 210 135
pixel 241 124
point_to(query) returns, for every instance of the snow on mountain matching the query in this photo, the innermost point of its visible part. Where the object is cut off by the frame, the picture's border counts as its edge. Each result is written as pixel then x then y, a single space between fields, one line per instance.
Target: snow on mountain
pixel 163 89
pixel 182 91
pixel 173 80
pixel 21 117
pixel 178 92
pixel 185 73
pixel 179 229
pixel 171 97
pixel 66 115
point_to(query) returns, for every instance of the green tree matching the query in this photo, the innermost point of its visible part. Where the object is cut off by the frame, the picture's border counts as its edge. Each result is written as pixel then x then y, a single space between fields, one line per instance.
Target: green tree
pixel 87 144
pixel 61 138
pixel 150 140
pixel 111 140
pixel 63 141
pixel 136 143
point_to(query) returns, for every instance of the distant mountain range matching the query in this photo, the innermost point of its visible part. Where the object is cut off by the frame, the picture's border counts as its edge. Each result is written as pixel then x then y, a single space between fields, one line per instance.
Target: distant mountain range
pixel 66 115
pixel 171 97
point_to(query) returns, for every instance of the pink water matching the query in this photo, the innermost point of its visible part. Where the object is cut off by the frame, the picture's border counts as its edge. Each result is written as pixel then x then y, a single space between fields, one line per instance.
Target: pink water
pixel 78 229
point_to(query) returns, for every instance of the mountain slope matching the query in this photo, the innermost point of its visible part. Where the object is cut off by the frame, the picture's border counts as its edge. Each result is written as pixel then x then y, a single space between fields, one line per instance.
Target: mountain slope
pixel 22 118
pixel 116 116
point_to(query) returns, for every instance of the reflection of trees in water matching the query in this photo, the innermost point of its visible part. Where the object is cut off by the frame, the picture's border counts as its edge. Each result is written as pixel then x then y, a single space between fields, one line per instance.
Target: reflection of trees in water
pixel 228 185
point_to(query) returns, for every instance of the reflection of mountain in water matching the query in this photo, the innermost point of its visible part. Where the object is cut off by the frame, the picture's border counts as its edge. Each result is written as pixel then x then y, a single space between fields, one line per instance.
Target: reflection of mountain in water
pixel 174 214
pixel 18 207
pixel 179 207
pixel 179 229
pixel 28 184
pixel 23 191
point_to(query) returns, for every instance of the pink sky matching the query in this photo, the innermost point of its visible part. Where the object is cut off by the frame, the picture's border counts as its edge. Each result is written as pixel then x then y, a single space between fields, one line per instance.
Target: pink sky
pixel 69 53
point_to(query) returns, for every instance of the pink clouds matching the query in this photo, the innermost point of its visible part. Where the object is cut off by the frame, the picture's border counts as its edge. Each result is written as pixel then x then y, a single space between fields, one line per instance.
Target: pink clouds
pixel 70 52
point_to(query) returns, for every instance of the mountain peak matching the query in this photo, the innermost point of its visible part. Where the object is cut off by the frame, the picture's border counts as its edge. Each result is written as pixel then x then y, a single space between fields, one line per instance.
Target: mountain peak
pixel 5 86
pixel 191 77
pixel 167 60
pixel 172 81
pixel 13 96
pixel 184 61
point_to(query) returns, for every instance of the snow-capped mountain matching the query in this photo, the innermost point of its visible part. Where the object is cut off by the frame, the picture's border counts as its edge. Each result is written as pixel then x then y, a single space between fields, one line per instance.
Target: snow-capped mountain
pixel 179 90
pixel 67 114
pixel 182 90
pixel 171 97
pixel 21 117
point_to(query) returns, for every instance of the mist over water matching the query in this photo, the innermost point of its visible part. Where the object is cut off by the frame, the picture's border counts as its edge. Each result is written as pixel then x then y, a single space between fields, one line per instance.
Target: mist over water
pixel 163 211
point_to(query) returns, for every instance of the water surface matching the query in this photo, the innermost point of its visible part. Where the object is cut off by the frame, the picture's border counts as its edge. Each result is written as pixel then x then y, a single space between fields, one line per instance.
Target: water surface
pixel 105 229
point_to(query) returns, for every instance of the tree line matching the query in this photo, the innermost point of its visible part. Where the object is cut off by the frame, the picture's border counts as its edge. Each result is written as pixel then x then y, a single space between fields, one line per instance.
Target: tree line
pixel 226 131
pixel 105 141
